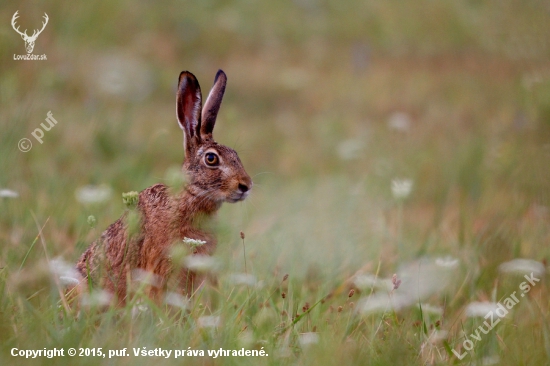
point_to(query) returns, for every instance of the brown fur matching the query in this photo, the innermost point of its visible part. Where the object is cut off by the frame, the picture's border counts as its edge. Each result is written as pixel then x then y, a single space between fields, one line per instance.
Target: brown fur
pixel 164 219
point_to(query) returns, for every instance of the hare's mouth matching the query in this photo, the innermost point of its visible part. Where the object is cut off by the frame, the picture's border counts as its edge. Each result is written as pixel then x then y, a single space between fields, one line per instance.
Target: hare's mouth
pixel 236 197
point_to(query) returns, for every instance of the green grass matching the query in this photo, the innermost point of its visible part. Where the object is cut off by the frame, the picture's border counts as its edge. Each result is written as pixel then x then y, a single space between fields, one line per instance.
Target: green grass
pixel 313 88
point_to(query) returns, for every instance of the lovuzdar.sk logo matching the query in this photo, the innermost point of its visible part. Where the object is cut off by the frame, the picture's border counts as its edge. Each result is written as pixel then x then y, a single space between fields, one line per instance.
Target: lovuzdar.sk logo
pixel 29 40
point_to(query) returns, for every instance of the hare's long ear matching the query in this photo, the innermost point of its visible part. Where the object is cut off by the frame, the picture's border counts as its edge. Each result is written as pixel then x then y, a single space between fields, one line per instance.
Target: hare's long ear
pixel 188 104
pixel 212 106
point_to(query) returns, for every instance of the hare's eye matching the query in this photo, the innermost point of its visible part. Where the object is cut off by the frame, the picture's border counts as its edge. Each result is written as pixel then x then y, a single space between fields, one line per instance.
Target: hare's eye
pixel 211 159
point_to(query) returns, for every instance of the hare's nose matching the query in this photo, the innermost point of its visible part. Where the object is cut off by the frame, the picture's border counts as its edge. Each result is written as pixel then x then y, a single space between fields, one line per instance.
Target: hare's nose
pixel 243 188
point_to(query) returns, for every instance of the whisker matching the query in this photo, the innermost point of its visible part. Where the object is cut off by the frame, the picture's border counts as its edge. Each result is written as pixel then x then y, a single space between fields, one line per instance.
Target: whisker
pixel 255 175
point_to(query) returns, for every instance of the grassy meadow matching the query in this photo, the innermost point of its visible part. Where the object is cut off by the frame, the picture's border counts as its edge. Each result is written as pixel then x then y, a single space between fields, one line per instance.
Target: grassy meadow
pixel 400 153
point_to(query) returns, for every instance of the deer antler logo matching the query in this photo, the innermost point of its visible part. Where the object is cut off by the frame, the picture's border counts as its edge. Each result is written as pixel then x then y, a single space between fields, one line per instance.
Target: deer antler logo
pixel 29 41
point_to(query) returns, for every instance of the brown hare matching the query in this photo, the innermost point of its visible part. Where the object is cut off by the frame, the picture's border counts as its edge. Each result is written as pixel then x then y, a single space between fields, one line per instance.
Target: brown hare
pixel 214 174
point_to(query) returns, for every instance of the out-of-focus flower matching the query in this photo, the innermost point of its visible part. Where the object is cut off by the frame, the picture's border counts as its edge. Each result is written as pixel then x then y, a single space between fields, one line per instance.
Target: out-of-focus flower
pixel 381 303
pixel 96 298
pixel 368 281
pixel 430 309
pixel 209 321
pixel 420 280
pixel 447 261
pixel 177 300
pixel 480 309
pixel 92 221
pixel 200 263
pixel 400 122
pixel 243 279
pixel 522 266
pixel 65 272
pixel 93 194
pixel 401 188
pixel 138 309
pixel 8 193
pixel 307 339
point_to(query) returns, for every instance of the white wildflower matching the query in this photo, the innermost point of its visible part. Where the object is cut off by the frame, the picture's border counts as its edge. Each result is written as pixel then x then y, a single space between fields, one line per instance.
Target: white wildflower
pixel 401 188
pixel 209 321
pixel 243 279
pixel 430 309
pixel 200 263
pixel 138 309
pixel 65 272
pixel 400 122
pixel 368 281
pixel 308 338
pixel 365 281
pixel 96 298
pixel 480 309
pixel 8 193
pixel 177 300
pixel 522 266
pixel 92 221
pixel 381 303
pixel 193 243
pixel 93 194
pixel 447 261
pixel 68 281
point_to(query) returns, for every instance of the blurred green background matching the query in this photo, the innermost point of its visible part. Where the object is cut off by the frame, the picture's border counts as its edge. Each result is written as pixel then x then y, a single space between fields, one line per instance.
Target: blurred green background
pixel 327 103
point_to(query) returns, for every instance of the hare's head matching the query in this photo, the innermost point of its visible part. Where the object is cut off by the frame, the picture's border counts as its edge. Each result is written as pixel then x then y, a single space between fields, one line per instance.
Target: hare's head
pixel 215 171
